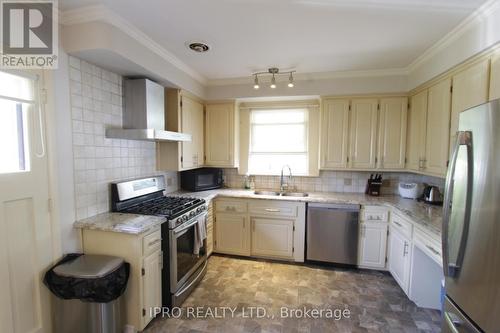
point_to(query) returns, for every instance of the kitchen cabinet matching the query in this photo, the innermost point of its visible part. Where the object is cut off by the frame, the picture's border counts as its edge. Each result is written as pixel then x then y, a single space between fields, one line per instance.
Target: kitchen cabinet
pixel 184 113
pixel 470 88
pixel 221 128
pixel 210 229
pixel 363 133
pixel 399 257
pixel 143 253
pixel 438 128
pixel 334 137
pixel 392 133
pixel 272 237
pixel 152 266
pixel 495 77
pixel 417 127
pixel 372 245
pixel 232 234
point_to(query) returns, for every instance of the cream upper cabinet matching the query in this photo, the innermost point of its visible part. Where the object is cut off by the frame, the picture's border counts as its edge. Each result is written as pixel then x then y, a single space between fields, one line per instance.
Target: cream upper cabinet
pixel 184 113
pixel 221 144
pixel 470 88
pixel 392 133
pixel 363 133
pixel 417 126
pixel 495 77
pixel 438 128
pixel 334 133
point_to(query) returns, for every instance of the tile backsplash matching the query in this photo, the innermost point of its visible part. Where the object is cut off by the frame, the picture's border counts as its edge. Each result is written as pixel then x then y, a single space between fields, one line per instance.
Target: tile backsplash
pixel 333 181
pixel 96 103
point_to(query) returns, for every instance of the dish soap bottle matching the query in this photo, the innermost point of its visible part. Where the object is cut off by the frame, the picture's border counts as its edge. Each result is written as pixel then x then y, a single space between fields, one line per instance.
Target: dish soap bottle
pixel 247 182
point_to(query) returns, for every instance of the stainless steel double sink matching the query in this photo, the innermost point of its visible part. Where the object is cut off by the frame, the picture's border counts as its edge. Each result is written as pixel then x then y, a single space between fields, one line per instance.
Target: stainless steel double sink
pixel 283 194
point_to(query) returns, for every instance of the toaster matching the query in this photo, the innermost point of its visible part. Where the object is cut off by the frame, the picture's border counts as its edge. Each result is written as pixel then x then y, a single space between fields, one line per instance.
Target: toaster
pixel 409 190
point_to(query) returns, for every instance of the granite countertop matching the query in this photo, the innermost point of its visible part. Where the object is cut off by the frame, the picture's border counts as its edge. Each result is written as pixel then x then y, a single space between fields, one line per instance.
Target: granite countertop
pixel 424 215
pixel 120 222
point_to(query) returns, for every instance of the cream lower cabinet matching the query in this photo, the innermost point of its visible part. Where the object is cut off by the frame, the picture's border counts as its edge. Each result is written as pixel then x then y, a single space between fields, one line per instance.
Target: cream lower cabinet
pixel 143 253
pixel 272 237
pixel 210 229
pixel 372 242
pixel 260 228
pixel 399 252
pixel 232 234
pixel 221 135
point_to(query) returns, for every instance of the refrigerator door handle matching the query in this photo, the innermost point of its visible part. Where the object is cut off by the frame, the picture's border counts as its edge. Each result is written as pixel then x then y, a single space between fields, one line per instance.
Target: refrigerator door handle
pixel 451 269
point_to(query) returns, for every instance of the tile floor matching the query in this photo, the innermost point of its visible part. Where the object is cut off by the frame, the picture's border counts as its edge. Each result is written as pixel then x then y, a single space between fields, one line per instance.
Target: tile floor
pixel 374 300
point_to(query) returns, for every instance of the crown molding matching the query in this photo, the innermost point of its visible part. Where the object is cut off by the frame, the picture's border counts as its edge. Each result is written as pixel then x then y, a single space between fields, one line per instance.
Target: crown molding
pixel 476 17
pixel 102 13
pixel 316 76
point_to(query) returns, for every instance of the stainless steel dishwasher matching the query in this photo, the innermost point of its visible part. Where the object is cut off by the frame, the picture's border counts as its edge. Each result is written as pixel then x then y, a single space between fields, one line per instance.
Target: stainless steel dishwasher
pixel 332 233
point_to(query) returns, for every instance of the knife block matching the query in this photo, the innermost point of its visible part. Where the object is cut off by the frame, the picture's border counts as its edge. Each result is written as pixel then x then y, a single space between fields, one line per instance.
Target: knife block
pixel 373 187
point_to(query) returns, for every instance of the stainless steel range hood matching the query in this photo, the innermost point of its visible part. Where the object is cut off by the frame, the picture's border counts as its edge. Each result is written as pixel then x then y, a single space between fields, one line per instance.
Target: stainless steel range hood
pixel 144 114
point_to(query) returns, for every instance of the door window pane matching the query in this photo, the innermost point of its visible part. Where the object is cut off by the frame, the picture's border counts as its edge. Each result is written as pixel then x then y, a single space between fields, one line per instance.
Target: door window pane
pixel 13 137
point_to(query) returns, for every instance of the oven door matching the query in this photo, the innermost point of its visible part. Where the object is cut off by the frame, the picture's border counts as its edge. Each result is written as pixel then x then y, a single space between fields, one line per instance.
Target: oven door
pixel 183 261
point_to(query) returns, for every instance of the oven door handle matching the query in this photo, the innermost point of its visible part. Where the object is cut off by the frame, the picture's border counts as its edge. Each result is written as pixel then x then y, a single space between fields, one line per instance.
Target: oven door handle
pixel 187 226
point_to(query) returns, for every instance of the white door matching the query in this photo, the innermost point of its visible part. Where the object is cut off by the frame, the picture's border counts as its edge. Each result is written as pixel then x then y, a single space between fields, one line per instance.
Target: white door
pixel 392 133
pixel 219 140
pixel 26 235
pixel 152 283
pixel 399 258
pixel 438 128
pixel 363 130
pixel 231 234
pixel 272 237
pixel 372 245
pixel 415 147
pixel 334 135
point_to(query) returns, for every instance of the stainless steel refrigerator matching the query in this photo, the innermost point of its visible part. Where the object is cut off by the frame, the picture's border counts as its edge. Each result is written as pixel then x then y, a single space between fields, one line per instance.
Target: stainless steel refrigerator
pixel 471 224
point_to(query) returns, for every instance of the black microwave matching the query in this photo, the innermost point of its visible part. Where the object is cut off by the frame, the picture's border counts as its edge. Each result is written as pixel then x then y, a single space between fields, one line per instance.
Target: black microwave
pixel 201 179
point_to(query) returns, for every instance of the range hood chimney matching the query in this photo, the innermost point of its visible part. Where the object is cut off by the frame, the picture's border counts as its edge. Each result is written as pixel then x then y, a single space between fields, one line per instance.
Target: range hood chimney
pixel 144 114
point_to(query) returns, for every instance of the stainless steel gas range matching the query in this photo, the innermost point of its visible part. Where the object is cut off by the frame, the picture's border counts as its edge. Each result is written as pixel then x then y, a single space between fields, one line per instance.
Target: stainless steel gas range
pixel 183 237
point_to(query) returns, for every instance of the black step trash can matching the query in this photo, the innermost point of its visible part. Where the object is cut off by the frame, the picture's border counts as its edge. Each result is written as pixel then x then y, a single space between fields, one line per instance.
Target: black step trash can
pixel 88 290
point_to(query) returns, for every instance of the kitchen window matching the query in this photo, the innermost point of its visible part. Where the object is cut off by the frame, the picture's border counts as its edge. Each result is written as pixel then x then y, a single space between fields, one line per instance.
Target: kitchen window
pixel 16 98
pixel 278 137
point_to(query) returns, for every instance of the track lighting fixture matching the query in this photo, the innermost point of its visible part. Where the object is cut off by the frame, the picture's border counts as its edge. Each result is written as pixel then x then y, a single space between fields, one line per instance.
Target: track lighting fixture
pixel 274 72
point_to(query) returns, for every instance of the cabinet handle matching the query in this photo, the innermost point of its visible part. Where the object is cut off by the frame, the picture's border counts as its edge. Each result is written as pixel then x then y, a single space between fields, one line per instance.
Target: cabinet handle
pixel 405 249
pixel 273 210
pixel 432 250
pixel 243 223
pixel 253 225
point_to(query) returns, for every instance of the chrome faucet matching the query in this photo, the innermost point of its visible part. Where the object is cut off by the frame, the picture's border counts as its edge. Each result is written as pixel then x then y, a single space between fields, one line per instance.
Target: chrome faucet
pixel 283 186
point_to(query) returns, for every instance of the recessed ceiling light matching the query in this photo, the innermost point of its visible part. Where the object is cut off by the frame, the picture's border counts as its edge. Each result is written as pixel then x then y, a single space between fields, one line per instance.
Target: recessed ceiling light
pixel 199 47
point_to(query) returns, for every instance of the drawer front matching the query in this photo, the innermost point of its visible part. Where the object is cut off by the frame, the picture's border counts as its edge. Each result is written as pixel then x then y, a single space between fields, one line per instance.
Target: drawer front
pixel 374 214
pixel 270 208
pixel 402 225
pixel 429 246
pixel 231 206
pixel 151 242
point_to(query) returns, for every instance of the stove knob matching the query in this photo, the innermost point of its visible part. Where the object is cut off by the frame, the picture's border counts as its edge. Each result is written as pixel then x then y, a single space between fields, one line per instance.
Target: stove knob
pixel 191 214
pixel 178 221
pixel 184 218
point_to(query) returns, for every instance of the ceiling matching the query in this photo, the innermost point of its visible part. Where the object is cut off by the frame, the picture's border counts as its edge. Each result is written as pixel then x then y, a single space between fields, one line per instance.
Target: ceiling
pixel 306 35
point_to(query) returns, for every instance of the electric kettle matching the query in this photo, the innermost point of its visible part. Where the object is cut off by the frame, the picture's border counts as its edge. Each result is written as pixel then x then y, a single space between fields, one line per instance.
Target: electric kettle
pixel 432 195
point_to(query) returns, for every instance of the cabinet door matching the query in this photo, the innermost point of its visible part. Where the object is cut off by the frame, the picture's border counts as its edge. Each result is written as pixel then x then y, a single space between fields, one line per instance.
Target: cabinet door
pixel 192 123
pixel 399 258
pixel 232 234
pixel 392 133
pixel 220 134
pixel 272 237
pixel 334 137
pixel 438 128
pixel 415 145
pixel 495 78
pixel 363 133
pixel 470 88
pixel 372 245
pixel 151 286
pixel 210 229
